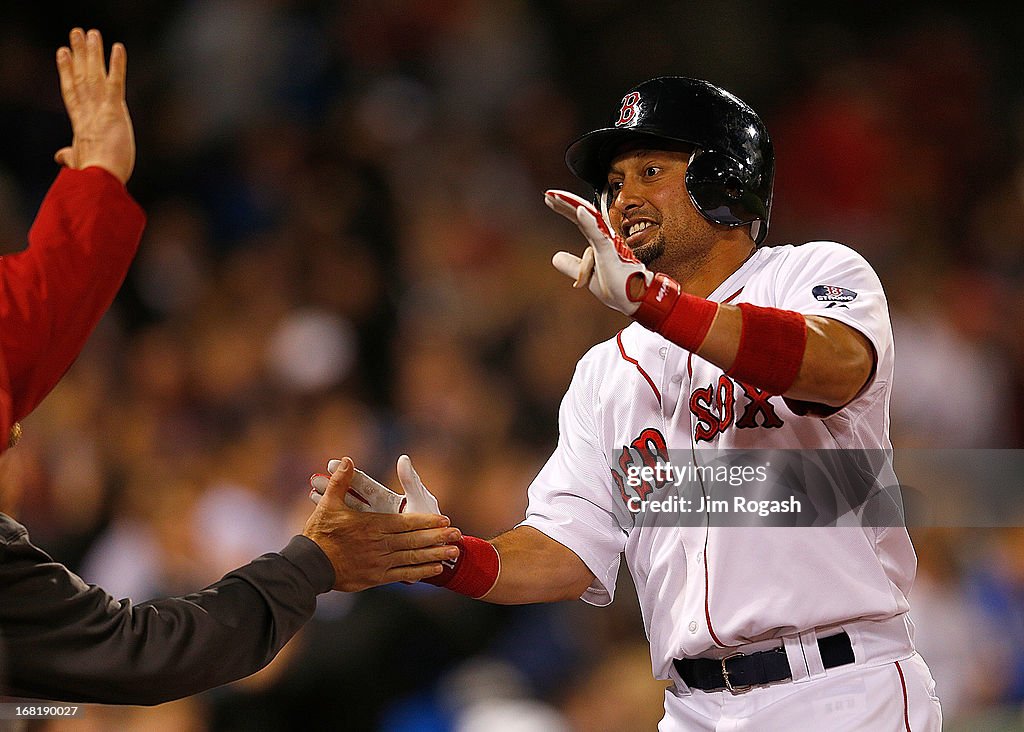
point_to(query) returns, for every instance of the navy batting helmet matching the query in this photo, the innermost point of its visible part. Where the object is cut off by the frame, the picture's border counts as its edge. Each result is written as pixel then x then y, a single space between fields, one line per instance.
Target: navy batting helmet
pixel 730 175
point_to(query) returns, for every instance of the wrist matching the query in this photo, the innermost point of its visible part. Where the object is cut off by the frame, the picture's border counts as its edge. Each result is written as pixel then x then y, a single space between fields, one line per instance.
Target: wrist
pixel 111 170
pixel 681 317
pixel 474 572
pixel 657 301
pixel 312 560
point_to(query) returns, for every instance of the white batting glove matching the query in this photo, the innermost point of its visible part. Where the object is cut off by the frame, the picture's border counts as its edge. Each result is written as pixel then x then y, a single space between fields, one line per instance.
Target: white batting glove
pixel 608 267
pixel 364 493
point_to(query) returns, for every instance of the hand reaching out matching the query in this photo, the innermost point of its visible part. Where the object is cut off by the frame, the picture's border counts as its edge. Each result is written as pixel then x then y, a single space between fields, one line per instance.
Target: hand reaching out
pixel 471 567
pixel 95 102
pixel 369 549
pixel 366 494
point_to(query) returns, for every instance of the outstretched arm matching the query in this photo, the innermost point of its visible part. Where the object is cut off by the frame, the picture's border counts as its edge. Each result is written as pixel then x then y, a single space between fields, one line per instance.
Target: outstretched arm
pixel 68 640
pixel 521 566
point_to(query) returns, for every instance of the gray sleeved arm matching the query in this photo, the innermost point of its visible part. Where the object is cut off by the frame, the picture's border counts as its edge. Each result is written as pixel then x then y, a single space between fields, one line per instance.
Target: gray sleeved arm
pixel 66 640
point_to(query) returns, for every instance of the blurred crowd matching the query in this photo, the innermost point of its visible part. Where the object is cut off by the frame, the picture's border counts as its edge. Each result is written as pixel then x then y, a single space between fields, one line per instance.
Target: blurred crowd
pixel 347 254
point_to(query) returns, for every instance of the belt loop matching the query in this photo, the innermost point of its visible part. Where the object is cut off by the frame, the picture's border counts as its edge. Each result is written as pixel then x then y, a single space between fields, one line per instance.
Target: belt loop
pixel 812 654
pixel 795 656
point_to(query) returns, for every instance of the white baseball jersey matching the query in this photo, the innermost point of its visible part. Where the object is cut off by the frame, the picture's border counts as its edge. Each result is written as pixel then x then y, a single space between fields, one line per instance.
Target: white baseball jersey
pixel 704 588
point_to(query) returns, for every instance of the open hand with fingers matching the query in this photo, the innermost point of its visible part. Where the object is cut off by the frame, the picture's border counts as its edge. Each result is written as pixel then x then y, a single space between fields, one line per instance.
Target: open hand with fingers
pixel 366 494
pixel 95 100
pixel 617 278
pixel 608 267
pixel 369 549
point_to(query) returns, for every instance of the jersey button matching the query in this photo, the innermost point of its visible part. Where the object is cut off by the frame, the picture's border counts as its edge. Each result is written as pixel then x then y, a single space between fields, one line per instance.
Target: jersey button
pixel 700 557
pixel 693 626
pixel 663 351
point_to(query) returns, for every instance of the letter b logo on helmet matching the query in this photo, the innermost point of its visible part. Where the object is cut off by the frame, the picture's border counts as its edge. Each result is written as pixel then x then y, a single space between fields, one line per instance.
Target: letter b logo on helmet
pixel 628 112
pixel 732 170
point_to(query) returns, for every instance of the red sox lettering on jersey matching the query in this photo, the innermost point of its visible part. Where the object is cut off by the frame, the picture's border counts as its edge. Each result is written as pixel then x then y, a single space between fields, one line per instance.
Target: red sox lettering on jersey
pixel 637 399
pixel 714 408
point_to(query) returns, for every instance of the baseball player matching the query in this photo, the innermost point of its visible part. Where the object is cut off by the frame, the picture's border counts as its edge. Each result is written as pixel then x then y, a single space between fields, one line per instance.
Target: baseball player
pixel 733 346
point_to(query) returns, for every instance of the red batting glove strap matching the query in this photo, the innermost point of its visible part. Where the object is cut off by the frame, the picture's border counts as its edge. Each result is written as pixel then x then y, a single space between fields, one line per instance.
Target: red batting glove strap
pixel 682 318
pixel 657 302
pixel 474 572
pixel 772 343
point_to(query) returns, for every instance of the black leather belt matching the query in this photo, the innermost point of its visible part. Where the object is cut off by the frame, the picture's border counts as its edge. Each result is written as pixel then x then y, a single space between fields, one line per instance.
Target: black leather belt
pixel 740 672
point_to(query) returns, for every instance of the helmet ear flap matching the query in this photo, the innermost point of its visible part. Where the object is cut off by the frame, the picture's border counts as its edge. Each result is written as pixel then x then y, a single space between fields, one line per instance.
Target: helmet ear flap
pixel 723 192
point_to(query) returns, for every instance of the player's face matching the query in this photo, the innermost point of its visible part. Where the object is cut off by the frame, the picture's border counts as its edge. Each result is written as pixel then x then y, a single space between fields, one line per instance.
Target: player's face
pixel 650 208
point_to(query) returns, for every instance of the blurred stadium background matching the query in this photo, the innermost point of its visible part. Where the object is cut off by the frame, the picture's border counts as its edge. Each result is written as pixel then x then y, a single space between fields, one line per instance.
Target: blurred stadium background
pixel 347 253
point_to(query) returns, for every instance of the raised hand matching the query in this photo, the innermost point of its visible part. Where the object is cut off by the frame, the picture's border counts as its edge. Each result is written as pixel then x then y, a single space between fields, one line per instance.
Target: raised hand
pixel 608 267
pixel 95 101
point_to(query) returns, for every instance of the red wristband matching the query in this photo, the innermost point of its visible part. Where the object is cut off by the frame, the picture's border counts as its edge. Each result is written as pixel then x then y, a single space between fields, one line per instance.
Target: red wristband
pixel 474 572
pixel 772 343
pixel 658 300
pixel 682 318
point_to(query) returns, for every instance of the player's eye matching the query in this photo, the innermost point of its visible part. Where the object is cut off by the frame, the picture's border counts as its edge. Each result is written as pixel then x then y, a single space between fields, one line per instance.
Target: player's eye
pixel 615 185
pixel 651 170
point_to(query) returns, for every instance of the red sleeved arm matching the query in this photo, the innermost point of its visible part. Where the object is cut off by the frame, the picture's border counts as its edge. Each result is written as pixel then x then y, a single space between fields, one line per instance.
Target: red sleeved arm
pixel 54 293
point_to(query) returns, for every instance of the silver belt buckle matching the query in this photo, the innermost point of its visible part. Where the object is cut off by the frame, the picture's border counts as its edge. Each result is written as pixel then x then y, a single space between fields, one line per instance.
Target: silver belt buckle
pixel 725 675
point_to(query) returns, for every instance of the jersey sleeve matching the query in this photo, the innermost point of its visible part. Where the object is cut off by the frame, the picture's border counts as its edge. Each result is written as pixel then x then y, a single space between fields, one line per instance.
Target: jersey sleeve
pixel 831 280
pixel 570 500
